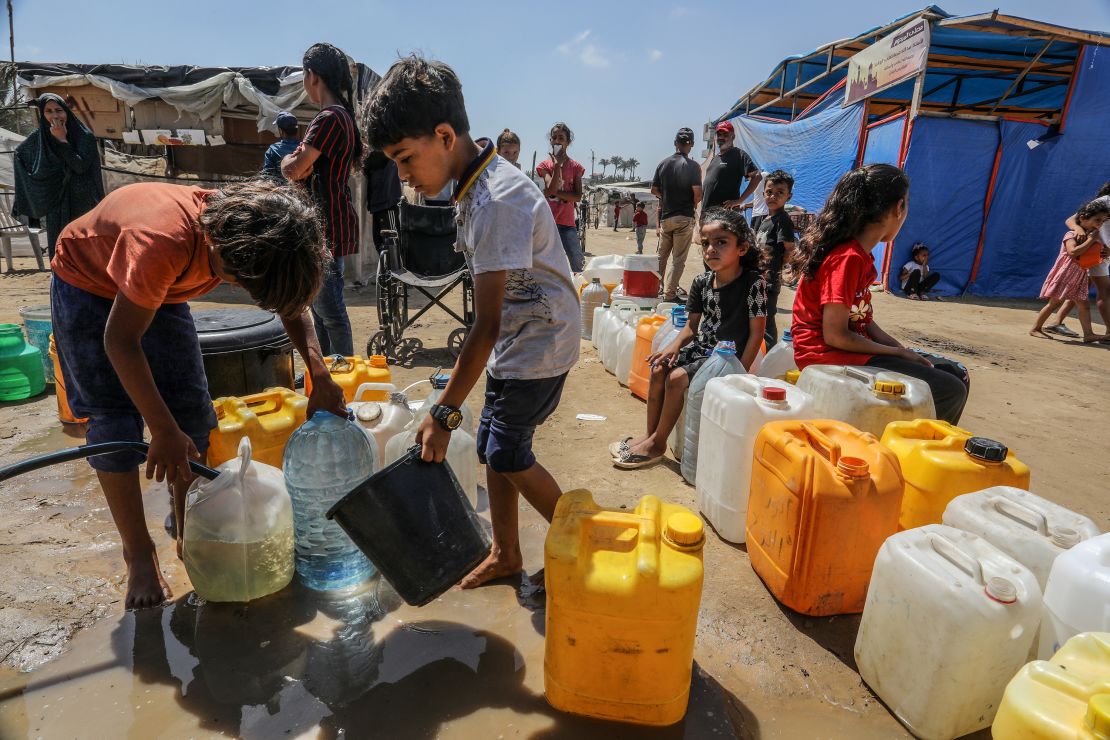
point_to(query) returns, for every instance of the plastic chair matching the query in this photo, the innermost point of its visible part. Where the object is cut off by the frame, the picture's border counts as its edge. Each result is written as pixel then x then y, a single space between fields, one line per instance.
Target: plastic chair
pixel 11 226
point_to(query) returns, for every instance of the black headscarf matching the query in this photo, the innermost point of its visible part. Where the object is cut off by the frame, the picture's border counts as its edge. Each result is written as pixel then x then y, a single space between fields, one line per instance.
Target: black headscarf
pixel 51 176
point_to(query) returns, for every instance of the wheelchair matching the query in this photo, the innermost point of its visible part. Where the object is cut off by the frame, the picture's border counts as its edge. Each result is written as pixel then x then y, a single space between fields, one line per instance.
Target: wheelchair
pixel 419 255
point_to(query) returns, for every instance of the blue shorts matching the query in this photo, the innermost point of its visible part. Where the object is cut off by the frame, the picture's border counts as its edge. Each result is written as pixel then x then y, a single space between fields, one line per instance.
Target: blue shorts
pixel 513 410
pixel 172 349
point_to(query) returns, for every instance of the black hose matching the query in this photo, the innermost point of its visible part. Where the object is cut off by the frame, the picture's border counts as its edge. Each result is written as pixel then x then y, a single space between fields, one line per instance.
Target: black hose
pixel 80 453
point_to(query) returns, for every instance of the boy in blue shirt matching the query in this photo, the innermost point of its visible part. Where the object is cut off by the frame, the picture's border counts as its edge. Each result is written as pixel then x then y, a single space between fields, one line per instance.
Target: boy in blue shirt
pixel 286 144
pixel 525 333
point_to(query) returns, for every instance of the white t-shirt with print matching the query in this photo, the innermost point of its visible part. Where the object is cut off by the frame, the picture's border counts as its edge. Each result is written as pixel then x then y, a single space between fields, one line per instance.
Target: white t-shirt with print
pixel 504 223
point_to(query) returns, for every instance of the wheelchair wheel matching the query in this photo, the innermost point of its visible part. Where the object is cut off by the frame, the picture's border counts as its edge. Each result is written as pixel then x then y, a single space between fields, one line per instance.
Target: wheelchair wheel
pixel 379 346
pixel 392 303
pixel 455 340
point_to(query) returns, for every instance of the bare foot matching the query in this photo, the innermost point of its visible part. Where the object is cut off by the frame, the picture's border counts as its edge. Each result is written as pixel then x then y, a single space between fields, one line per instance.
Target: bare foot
pixel 1039 333
pixel 145 585
pixel 496 565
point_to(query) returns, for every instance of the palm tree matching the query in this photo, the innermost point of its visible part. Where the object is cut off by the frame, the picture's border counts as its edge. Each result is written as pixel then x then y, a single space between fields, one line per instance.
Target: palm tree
pixel 633 163
pixel 618 163
pixel 604 163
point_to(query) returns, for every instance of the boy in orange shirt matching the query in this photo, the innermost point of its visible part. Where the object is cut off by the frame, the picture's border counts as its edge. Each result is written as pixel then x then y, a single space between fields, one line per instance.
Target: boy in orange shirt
pixel 128 348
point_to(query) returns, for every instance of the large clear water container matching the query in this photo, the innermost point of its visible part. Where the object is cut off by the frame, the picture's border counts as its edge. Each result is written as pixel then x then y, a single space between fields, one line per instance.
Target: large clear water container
pixel 1030 529
pixel 462 450
pixel 722 362
pixel 1077 597
pixel 669 331
pixel 733 411
pixel 324 460
pixel 779 359
pixel 866 398
pixel 593 297
pixel 949 620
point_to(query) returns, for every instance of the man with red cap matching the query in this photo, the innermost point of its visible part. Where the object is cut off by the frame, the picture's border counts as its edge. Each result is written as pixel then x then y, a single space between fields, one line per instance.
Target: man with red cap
pixel 727 170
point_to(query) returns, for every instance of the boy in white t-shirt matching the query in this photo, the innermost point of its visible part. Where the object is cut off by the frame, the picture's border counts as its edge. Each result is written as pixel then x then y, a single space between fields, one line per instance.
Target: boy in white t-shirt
pixel 916 277
pixel 525 333
pixel 1099 275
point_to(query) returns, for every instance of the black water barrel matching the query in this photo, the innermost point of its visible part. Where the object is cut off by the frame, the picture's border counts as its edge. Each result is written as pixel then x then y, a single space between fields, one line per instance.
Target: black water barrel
pixel 245 350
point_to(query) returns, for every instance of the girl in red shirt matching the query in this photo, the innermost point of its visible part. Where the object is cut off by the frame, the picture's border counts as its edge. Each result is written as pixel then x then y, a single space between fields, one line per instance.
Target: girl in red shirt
pixel 833 319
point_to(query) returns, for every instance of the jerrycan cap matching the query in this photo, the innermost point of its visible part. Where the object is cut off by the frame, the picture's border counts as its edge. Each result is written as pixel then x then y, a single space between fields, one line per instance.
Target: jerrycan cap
pixel 982 448
pixel 369 411
pixel 891 387
pixel 1098 716
pixel 787 335
pixel 725 347
pixel 1065 537
pixel 1001 590
pixel 792 376
pixel 684 529
pixel 774 393
pixel 853 467
pixel 378 361
pixel 595 281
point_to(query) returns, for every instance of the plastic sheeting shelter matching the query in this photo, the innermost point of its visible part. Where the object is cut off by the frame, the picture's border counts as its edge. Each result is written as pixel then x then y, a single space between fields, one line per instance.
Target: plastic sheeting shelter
pixel 1002 137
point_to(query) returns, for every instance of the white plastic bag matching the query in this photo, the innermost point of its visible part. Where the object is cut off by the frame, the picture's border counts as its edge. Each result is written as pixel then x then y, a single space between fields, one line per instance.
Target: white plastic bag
pixel 239 531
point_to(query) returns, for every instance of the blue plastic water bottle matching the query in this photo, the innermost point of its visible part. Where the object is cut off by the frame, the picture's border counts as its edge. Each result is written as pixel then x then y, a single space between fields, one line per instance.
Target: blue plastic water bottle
pixel 324 460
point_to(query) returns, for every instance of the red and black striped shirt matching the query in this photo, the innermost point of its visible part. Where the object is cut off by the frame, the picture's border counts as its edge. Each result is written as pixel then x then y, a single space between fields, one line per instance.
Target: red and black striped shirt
pixel 333 133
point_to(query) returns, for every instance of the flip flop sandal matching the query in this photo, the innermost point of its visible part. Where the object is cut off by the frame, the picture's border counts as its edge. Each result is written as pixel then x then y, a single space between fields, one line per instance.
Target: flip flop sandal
pixel 616 449
pixel 1062 330
pixel 628 461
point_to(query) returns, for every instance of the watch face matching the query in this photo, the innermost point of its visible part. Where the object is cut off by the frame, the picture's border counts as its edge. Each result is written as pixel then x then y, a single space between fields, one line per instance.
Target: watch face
pixel 454 419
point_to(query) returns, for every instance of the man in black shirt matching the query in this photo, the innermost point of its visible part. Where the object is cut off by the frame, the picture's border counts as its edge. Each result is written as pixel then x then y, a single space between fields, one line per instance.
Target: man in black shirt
pixel 776 239
pixel 677 185
pixel 727 170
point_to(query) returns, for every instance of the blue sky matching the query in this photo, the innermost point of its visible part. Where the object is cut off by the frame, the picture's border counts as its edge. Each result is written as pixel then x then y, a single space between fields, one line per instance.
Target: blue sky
pixel 624 75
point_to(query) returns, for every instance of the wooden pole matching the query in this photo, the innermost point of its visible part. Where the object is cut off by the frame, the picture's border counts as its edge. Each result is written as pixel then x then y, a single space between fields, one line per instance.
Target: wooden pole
pixel 11 43
pixel 918 88
pixel 1018 79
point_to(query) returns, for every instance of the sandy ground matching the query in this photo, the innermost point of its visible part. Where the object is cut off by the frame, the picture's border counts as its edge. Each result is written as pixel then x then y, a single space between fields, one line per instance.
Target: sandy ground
pixel 763 672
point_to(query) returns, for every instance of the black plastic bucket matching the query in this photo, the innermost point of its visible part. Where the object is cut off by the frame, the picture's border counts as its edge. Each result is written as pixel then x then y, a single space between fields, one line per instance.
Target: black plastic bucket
pixel 415 524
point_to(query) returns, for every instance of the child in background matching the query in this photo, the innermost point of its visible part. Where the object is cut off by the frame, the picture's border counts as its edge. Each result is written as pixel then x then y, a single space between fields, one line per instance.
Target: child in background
pixel 639 222
pixel 775 237
pixel 525 335
pixel 508 147
pixel 916 277
pixel 1098 273
pixel 1068 281
pixel 833 320
pixel 727 302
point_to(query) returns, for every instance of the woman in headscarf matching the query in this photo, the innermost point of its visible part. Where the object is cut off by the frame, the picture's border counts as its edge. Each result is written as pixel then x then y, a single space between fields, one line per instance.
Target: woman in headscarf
pixel 57 169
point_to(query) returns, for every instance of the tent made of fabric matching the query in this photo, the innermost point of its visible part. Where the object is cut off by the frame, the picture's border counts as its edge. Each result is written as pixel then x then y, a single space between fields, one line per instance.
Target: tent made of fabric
pixel 1002 136
pixel 604 197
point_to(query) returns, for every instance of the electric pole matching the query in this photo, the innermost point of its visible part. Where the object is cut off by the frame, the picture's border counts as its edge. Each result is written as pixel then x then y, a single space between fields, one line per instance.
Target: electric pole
pixel 591 151
pixel 11 40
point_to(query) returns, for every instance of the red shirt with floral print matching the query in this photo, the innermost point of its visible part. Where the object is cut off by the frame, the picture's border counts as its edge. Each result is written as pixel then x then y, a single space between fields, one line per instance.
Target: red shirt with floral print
pixel 845 277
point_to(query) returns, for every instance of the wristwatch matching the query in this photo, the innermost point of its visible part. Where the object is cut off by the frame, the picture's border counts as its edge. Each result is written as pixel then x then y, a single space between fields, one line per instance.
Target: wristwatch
pixel 449 417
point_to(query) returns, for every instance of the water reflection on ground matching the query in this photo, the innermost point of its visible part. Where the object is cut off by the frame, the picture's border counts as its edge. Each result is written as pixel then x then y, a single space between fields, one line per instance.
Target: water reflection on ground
pixel 297 664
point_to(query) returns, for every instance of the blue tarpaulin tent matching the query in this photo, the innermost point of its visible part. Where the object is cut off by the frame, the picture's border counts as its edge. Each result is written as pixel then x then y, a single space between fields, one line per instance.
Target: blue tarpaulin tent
pixel 1003 135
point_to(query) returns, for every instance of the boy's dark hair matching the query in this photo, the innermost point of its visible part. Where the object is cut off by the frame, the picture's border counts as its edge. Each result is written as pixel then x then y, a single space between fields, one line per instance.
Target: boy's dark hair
pixel 507 137
pixel 861 197
pixel 1092 208
pixel 640 204
pixel 781 177
pixel 1104 190
pixel 560 126
pixel 334 69
pixel 733 222
pixel 917 249
pixel 270 239
pixel 414 97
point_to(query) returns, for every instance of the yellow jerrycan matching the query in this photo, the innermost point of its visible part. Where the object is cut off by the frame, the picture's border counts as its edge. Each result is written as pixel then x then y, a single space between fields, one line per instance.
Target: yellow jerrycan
pixel 267 418
pixel 623 590
pixel 351 372
pixel 941 461
pixel 1066 698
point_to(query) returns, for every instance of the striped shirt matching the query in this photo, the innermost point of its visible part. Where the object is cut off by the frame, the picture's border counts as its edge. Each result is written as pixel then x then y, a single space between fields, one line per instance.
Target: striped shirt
pixel 333 133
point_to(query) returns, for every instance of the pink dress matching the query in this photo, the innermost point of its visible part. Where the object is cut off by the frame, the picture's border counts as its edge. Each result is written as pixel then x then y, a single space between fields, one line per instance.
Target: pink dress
pixel 1067 281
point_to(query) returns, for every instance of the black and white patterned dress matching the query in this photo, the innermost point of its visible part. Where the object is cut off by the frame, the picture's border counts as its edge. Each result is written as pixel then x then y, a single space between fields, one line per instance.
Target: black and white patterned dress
pixel 725 312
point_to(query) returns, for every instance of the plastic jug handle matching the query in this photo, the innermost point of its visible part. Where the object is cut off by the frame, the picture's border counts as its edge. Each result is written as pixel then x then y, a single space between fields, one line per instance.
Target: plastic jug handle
pixel 827 447
pixel 373 387
pixel 1022 514
pixel 647 559
pixel 855 372
pixel 948 550
pixel 339 364
pixel 244 455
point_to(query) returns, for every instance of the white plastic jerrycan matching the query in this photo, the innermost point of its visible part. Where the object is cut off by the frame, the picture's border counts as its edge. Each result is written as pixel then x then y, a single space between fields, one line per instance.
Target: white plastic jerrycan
pixel 1077 597
pixel 381 420
pixel 626 346
pixel 1030 529
pixel 779 359
pixel 239 531
pixel 733 411
pixel 948 621
pixel 618 319
pixel 462 451
pixel 866 398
